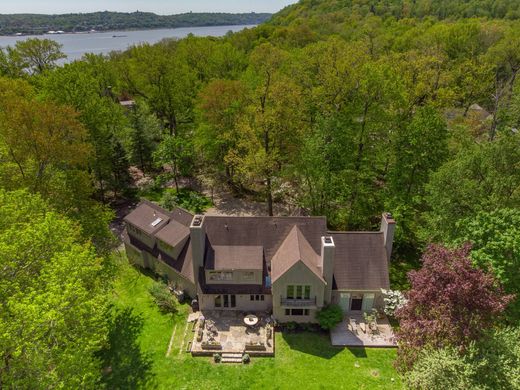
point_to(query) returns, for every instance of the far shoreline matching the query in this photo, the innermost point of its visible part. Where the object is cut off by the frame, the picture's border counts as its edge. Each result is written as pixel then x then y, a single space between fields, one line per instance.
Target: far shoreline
pixel 125 30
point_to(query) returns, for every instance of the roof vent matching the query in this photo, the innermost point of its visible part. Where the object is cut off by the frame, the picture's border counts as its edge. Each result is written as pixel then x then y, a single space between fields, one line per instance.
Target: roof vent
pixel 328 240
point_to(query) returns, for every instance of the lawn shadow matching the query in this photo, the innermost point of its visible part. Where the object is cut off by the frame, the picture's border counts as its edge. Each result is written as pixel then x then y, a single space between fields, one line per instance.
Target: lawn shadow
pixel 125 365
pixel 359 352
pixel 317 344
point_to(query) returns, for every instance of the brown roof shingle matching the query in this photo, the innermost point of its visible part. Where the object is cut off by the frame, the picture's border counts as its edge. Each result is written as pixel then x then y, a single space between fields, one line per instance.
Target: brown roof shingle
pixel 145 215
pixel 294 248
pixel 222 257
pixel 173 234
pixel 360 262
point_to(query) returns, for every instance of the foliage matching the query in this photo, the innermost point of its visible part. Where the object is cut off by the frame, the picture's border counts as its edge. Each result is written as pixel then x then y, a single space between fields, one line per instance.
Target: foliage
pixel 481 178
pixel 53 294
pixel 246 359
pixel 394 300
pixel 185 198
pixel 489 364
pixel 495 239
pixel 450 303
pixel 163 298
pixel 43 148
pixel 329 316
pixel 32 55
pixel 217 357
pixel 174 153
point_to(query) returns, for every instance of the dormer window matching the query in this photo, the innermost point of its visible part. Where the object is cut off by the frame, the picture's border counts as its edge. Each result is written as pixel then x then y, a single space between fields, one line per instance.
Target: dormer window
pixel 220 276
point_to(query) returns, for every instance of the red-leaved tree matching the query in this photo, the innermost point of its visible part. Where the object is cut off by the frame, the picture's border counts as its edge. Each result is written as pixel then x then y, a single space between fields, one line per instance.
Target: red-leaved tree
pixel 450 303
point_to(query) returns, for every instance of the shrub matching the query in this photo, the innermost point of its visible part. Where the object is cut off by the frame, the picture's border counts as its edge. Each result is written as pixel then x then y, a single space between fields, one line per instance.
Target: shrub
pixel 329 316
pixel 246 358
pixel 394 300
pixel 291 326
pixel 163 298
pixel 217 357
pixel 185 198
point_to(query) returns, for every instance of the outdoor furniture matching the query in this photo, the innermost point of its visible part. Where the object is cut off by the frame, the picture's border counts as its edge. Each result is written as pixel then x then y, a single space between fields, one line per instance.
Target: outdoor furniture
pixel 251 320
pixel 353 325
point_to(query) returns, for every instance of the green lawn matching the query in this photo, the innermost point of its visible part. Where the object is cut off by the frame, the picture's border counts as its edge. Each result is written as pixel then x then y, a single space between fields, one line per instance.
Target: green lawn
pixel 304 360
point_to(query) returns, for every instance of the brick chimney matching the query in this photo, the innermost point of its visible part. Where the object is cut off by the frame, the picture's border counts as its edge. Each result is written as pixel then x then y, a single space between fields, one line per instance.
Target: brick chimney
pixel 327 264
pixel 198 244
pixel 388 229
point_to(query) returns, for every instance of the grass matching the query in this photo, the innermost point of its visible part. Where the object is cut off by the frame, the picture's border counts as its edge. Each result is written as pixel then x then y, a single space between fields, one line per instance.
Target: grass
pixel 306 360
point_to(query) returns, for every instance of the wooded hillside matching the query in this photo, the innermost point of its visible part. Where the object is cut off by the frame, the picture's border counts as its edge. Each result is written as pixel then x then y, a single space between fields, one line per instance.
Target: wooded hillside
pixel 106 21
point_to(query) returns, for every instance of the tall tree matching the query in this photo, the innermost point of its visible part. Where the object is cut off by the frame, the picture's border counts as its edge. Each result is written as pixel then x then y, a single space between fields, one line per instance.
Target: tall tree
pixel 495 239
pixel 484 176
pixel 38 55
pixel 53 298
pixel 450 303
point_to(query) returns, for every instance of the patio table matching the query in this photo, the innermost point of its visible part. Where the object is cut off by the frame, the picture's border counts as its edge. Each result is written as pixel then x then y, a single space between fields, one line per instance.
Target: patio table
pixel 251 320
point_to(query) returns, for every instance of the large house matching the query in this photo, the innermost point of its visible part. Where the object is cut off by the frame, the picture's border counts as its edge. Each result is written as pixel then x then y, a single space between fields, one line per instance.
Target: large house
pixel 292 266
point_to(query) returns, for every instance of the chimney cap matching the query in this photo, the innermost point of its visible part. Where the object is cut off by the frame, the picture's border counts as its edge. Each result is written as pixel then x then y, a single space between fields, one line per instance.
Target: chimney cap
pixel 389 217
pixel 327 240
pixel 197 221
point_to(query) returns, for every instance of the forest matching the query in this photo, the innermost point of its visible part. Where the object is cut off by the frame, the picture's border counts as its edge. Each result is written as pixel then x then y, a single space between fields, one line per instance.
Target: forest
pixel 109 21
pixel 341 108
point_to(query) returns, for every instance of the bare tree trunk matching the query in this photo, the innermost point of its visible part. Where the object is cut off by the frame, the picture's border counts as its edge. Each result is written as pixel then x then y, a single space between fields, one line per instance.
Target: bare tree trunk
pixel 269 198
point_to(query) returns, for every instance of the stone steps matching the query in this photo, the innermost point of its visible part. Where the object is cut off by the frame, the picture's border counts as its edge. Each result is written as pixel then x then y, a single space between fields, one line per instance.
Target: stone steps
pixel 232 358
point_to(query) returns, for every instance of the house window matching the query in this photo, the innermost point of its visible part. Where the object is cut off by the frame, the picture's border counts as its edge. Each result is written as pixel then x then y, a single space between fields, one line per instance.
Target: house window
pixel 298 292
pixel 296 312
pixel 226 300
pixel 220 276
pixel 257 297
pixel 290 292
pixel 249 275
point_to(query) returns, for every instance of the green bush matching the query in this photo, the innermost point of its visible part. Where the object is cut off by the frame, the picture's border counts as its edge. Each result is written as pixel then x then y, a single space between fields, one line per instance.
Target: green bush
pixel 217 357
pixel 329 316
pixel 246 358
pixel 185 198
pixel 291 326
pixel 163 298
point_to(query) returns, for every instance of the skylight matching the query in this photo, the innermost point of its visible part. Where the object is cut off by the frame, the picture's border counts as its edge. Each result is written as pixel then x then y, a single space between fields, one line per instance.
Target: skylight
pixel 156 222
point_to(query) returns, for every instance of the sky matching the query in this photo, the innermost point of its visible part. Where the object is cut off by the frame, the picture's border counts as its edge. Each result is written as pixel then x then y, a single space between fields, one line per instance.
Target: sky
pixel 164 7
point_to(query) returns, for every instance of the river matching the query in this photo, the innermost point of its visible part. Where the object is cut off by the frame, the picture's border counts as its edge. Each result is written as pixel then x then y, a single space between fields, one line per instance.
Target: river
pixel 76 45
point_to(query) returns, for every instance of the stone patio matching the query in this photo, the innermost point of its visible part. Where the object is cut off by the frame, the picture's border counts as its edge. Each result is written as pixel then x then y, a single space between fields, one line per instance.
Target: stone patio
pixel 358 334
pixel 225 332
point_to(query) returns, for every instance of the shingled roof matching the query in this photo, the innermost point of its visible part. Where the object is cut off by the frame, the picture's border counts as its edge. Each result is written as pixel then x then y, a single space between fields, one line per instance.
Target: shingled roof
pixel 226 257
pixel 294 248
pixel 174 233
pixel 360 262
pixel 148 217
pixel 267 232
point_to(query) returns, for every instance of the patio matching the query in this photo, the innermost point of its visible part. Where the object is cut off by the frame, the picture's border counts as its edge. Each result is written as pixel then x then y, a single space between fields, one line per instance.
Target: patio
pixel 226 332
pixel 353 331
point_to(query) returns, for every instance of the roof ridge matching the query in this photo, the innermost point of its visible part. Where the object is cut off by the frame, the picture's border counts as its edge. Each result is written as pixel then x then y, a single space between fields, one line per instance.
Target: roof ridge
pixel 356 232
